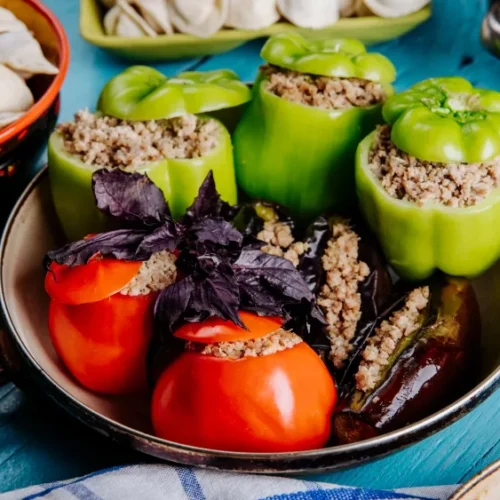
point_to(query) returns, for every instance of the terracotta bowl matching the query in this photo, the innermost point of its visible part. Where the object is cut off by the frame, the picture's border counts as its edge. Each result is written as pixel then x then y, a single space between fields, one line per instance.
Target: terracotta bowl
pixel 22 141
pixel 32 229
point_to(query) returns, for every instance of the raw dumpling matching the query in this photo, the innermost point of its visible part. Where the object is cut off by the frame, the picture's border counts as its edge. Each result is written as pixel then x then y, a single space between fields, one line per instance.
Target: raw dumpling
pixel 15 96
pixel 348 8
pixel 9 22
pixel 310 14
pixel 123 20
pixel 395 8
pixel 8 117
pixel 155 13
pixel 252 16
pixel 204 28
pixel 21 52
pixel 193 11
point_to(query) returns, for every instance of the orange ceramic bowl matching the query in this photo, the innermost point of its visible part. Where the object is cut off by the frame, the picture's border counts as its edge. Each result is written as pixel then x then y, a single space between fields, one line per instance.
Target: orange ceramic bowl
pixel 22 141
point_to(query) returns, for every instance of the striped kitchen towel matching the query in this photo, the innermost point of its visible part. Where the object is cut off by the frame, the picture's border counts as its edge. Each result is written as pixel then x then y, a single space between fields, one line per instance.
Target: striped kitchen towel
pixel 168 482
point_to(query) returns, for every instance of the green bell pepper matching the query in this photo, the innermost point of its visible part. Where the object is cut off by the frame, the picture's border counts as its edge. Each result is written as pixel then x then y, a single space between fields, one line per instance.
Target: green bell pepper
pixel 418 240
pixel 343 58
pixel 143 93
pixel 302 156
pixel 179 179
pixel 445 120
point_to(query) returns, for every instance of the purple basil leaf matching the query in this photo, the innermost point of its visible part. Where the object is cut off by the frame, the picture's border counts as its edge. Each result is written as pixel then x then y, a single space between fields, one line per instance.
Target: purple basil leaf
pixel 162 238
pixel 172 303
pixel 207 203
pixel 259 300
pixel 130 197
pixel 273 271
pixel 217 231
pixel 217 295
pixel 120 244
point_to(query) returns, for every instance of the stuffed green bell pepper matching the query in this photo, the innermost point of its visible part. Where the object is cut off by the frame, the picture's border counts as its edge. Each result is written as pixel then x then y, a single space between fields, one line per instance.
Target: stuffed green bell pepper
pixel 151 124
pixel 428 180
pixel 312 103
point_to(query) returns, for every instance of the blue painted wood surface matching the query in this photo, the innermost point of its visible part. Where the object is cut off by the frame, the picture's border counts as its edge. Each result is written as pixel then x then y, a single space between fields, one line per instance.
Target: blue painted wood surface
pixel 38 443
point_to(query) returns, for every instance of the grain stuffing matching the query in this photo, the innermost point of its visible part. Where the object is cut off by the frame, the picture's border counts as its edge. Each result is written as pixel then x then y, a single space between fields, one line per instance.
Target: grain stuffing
pixel 264 346
pixel 339 297
pixel 403 323
pixel 322 91
pixel 154 275
pixel 281 242
pixel 104 141
pixel 405 177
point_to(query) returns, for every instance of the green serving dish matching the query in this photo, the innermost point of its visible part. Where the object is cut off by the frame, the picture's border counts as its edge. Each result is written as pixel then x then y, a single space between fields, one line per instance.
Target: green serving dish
pixel 367 29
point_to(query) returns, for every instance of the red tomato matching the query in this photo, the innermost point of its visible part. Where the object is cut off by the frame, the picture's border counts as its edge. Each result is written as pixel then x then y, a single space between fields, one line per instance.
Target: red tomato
pixel 97 280
pixel 217 330
pixel 276 403
pixel 104 344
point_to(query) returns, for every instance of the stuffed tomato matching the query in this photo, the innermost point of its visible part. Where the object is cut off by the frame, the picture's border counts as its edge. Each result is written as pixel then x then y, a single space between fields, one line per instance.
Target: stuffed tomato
pixel 427 181
pixel 312 104
pixel 256 390
pixel 149 124
pixel 101 318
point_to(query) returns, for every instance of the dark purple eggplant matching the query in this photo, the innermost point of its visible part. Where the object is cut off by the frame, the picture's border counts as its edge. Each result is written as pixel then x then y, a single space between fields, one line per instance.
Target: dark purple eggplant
pixel 437 365
pixel 249 219
pixel 375 290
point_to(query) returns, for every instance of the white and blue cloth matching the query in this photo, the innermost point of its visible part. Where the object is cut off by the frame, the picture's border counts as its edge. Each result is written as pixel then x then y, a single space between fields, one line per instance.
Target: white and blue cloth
pixel 168 482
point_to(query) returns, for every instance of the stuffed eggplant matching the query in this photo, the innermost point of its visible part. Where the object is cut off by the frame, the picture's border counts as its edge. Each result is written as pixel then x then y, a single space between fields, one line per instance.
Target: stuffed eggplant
pixel 345 270
pixel 149 124
pixel 420 357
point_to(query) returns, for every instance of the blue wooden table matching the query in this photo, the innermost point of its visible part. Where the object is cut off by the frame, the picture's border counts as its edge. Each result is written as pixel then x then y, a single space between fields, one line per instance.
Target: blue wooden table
pixel 38 443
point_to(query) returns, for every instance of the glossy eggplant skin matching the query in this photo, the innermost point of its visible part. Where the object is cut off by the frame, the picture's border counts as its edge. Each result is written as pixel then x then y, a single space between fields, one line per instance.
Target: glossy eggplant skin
pixel 439 366
pixel 376 291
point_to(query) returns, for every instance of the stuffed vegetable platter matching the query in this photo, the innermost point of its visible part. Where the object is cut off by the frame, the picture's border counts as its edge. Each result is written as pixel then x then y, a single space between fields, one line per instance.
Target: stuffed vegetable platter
pixel 312 287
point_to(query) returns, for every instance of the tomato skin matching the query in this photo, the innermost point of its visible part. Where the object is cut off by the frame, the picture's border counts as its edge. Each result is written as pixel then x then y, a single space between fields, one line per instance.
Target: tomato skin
pixel 97 280
pixel 277 403
pixel 104 344
pixel 215 330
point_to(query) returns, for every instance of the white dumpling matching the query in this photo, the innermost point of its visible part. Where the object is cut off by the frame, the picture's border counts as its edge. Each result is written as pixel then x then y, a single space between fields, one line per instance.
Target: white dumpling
pixel 255 15
pixel 309 14
pixel 8 117
pixel 348 8
pixel 123 20
pixel 21 52
pixel 193 11
pixel 395 8
pixel 117 22
pixel 9 22
pixel 15 95
pixel 155 13
pixel 209 26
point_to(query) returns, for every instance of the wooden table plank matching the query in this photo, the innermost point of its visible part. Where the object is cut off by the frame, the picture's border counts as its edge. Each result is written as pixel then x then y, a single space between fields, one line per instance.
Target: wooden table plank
pixel 38 443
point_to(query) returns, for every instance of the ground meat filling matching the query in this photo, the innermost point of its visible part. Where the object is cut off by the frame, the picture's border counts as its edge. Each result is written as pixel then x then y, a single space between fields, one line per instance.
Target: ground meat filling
pixel 407 178
pixel 324 92
pixel 281 242
pixel 103 141
pixel 154 275
pixel 384 342
pixel 264 346
pixel 339 297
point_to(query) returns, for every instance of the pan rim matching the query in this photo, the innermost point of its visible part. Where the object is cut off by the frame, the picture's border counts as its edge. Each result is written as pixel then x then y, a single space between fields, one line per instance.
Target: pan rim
pixel 355 452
